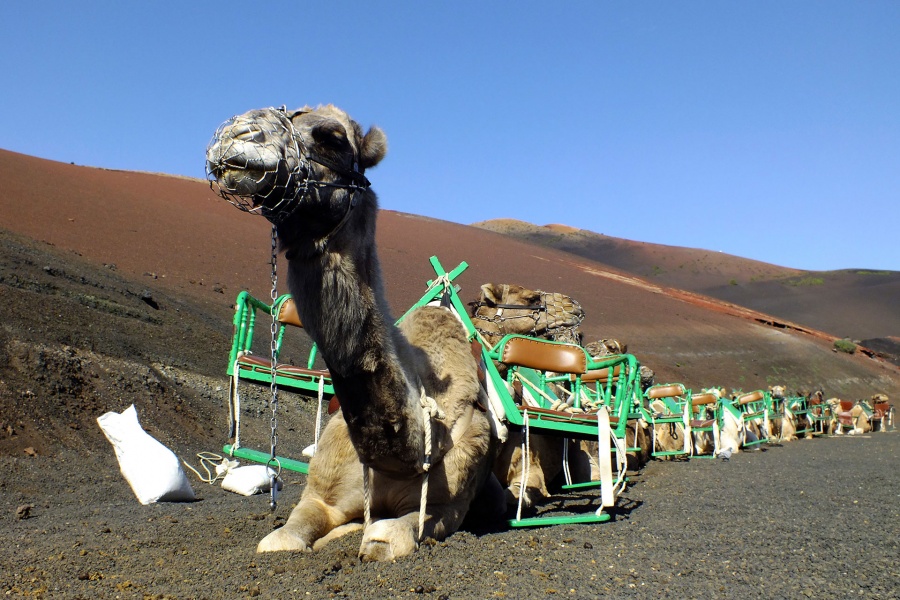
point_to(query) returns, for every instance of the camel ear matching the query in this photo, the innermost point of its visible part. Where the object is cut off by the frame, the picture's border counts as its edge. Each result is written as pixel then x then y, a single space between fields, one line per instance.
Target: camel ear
pixel 373 148
pixel 530 296
pixel 492 293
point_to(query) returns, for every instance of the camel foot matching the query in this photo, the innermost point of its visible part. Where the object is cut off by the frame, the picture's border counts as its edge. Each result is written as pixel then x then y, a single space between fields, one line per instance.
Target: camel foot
pixel 528 501
pixel 387 539
pixel 282 539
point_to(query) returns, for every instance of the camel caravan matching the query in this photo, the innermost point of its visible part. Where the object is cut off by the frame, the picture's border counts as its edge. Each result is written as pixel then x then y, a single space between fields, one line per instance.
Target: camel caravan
pixel 454 412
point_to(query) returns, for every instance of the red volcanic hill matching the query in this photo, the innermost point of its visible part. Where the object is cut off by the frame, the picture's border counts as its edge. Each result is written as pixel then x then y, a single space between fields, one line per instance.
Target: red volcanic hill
pixel 173 239
pixel 859 304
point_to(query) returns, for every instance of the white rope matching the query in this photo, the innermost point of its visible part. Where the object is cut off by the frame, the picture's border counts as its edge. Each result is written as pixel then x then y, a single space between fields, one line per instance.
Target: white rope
pixel 215 465
pixel 235 405
pixel 367 498
pixel 526 457
pixel 566 471
pixel 604 460
pixel 430 409
pixel 315 445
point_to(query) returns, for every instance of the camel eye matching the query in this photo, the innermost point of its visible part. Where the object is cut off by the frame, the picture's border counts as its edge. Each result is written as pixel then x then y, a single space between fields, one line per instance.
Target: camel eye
pixel 330 135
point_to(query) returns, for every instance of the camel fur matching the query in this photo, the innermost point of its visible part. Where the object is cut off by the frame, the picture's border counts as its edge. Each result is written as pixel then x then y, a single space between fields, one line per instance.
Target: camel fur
pixel 554 316
pixel 387 379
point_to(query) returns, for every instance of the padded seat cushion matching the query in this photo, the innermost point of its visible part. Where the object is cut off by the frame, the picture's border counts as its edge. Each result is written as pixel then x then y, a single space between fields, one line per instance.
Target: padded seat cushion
pixel 258 363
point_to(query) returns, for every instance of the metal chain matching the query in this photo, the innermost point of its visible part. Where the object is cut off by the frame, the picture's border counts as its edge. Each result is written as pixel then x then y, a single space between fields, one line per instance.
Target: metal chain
pixel 273 386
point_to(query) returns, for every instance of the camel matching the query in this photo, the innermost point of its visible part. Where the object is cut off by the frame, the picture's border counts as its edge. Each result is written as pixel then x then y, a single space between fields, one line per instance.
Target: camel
pixel 783 427
pixel 606 347
pixel 509 308
pixel 882 412
pixel 305 172
pixel 852 419
pixel 732 432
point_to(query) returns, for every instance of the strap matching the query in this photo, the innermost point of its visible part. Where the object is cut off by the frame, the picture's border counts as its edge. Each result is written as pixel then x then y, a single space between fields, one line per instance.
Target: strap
pixel 607 494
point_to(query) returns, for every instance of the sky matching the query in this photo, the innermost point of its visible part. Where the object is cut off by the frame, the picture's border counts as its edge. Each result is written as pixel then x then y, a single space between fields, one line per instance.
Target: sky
pixel 768 129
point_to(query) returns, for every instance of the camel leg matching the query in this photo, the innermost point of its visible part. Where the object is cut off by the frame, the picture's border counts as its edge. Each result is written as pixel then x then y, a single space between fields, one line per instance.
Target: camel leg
pixel 332 496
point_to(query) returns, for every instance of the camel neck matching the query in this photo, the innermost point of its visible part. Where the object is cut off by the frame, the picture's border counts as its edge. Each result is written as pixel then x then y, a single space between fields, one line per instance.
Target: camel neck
pixel 341 302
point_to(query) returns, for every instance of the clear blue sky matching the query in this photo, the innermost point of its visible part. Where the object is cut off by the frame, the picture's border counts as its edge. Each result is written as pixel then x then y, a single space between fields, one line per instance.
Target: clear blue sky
pixel 768 130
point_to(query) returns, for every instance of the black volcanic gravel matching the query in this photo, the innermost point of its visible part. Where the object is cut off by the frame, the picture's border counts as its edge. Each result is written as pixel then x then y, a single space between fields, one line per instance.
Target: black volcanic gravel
pixel 810 519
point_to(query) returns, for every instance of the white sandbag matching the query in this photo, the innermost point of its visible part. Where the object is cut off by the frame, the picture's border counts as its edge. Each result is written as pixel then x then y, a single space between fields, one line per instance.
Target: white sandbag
pixel 249 480
pixel 151 469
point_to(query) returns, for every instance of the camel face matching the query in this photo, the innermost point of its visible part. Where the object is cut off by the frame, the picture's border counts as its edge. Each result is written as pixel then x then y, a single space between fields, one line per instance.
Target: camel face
pixel 271 161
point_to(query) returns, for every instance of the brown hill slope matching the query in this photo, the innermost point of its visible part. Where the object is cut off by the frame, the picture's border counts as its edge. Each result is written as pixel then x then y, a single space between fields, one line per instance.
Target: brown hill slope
pixel 137 272
pixel 859 304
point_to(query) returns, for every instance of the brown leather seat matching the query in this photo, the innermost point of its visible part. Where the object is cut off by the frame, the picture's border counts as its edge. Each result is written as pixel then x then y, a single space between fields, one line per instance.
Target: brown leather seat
pixel 544 355
pixel 751 397
pixel 665 391
pixel 564 416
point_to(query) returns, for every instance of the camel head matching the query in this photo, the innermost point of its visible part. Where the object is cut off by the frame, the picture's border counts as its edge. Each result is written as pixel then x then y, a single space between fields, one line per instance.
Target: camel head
pixel 508 308
pixel 306 166
pixel 606 347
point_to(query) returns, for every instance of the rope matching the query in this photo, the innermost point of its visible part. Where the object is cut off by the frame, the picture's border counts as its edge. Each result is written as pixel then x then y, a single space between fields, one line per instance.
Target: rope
pixel 319 412
pixel 430 410
pixel 211 463
pixel 235 405
pixel 566 472
pixel 367 498
pixel 526 457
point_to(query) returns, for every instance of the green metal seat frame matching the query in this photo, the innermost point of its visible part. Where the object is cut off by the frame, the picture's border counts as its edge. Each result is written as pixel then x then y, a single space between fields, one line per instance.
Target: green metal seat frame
pixel 755 406
pixel 799 407
pixel 244 365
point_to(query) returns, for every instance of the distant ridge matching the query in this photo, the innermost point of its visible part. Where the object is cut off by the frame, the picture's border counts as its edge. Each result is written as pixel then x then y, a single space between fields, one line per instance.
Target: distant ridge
pixel 858 304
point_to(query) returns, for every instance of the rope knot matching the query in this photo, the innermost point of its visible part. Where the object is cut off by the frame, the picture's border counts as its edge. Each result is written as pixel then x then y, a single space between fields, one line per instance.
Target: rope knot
pixel 430 406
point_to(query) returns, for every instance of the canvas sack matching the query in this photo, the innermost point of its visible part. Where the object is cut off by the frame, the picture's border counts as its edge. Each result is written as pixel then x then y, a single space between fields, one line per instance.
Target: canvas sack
pixel 152 470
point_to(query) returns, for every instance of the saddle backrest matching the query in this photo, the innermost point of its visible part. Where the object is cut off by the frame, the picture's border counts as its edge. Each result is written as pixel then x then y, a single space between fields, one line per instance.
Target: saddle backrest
pixel 847 405
pixel 750 397
pixel 672 390
pixel 287 313
pixel 544 355
pixel 704 399
pixel 882 408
